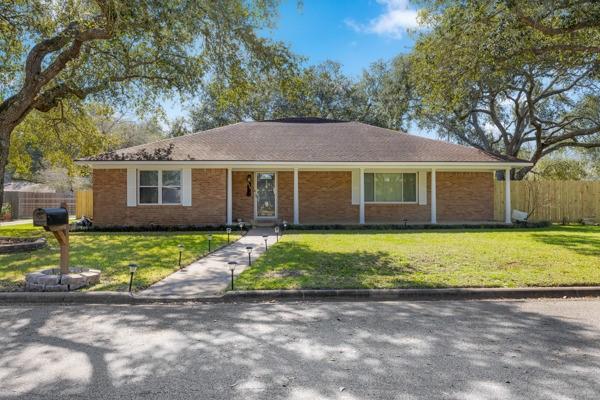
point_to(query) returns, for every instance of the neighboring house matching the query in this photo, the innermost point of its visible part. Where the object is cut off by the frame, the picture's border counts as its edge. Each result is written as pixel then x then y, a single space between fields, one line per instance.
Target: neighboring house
pixel 303 170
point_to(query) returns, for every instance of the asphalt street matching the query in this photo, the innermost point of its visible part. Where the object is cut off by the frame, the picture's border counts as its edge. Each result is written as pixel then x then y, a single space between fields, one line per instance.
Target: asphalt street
pixel 535 349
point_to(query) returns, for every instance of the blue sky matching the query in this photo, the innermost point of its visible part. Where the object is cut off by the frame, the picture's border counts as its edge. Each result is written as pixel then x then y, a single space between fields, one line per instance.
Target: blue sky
pixel 354 33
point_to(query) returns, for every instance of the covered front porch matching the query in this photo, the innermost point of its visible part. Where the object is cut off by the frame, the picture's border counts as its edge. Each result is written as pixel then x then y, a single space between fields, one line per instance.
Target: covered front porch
pixel 319 195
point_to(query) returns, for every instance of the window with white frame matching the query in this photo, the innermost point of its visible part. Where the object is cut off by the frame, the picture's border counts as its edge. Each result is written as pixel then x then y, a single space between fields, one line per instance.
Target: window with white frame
pixel 391 187
pixel 159 187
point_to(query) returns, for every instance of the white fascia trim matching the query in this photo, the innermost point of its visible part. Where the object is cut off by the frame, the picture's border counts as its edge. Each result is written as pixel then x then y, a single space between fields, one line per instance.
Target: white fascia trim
pixel 486 166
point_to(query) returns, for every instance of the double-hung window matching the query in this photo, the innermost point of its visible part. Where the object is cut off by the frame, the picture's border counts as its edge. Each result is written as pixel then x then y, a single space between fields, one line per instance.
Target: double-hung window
pixel 159 187
pixel 391 187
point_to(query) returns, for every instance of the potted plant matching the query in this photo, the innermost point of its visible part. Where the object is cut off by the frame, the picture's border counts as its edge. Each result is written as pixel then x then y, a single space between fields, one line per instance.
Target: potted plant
pixel 6 212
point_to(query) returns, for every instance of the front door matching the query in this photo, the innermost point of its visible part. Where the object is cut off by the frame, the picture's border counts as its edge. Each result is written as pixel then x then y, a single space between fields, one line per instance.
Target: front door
pixel 266 195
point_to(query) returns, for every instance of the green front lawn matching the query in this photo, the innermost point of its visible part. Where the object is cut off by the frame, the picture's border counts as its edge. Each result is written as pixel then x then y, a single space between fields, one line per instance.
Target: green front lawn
pixel 555 256
pixel 156 253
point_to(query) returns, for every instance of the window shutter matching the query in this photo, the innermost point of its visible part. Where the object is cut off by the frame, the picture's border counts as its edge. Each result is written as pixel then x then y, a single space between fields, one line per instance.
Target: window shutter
pixel 186 187
pixel 131 187
pixel 423 188
pixel 355 186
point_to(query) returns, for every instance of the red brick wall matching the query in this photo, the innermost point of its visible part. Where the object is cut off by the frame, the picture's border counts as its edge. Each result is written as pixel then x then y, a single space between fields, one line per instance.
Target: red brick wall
pixel 243 206
pixel 208 201
pixel 285 196
pixel 465 196
pixel 326 197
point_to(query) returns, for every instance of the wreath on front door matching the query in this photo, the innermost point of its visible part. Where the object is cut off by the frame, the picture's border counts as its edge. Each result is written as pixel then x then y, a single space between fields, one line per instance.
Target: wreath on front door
pixel 249 185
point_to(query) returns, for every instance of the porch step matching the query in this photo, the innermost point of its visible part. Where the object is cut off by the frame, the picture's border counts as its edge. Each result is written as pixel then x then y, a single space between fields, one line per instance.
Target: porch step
pixel 264 223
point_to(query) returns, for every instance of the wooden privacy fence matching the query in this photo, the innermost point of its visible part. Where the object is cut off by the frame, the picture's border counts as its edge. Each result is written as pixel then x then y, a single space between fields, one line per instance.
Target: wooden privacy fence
pixel 23 203
pixel 84 204
pixel 554 201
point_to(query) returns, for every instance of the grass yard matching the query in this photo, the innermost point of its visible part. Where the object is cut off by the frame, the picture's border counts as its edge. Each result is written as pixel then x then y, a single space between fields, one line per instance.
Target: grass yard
pixel 156 253
pixel 554 256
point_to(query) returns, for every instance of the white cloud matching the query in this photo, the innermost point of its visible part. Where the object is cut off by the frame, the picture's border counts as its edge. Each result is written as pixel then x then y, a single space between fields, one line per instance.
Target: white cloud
pixel 393 22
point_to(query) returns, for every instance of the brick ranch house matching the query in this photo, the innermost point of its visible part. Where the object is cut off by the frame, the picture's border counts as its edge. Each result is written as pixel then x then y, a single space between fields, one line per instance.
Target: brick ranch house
pixel 302 170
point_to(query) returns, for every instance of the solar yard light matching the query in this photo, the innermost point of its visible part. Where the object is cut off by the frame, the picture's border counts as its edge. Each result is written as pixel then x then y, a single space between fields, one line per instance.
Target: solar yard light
pixel 209 238
pixel 228 233
pixel 266 237
pixel 232 265
pixel 132 269
pixel 284 225
pixel 181 248
pixel 249 251
pixel 277 232
pixel 241 225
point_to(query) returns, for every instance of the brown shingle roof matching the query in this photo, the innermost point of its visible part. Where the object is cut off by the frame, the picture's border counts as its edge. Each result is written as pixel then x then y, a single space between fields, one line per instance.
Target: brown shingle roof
pixel 302 140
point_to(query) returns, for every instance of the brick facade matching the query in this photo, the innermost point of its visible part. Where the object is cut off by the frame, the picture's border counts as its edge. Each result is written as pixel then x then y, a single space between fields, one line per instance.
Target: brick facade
pixel 465 196
pixel 208 201
pixel 325 197
pixel 243 205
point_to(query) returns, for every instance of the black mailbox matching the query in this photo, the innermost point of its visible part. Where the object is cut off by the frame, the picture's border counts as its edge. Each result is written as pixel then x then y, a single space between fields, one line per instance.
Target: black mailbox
pixel 50 217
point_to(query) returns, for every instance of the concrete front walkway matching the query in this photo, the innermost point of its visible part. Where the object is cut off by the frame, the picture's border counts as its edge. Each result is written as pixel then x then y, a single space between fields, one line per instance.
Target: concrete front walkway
pixel 210 276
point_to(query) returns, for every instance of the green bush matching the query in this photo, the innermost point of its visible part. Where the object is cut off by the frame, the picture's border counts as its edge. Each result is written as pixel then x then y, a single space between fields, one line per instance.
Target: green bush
pixel 6 209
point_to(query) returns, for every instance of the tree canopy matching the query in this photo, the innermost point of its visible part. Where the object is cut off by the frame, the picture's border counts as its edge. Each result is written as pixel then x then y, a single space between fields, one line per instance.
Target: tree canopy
pixel 379 97
pixel 488 74
pixel 122 52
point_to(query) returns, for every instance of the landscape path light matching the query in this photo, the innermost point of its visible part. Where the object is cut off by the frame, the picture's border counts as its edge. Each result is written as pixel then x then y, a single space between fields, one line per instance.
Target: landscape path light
pixel 232 265
pixel 181 248
pixel 284 225
pixel 228 233
pixel 277 232
pixel 241 225
pixel 266 238
pixel 209 238
pixel 249 251
pixel 132 268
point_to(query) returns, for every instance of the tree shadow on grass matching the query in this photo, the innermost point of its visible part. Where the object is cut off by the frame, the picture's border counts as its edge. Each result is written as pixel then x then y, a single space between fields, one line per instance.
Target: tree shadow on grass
pixel 587 245
pixel 292 264
pixel 300 351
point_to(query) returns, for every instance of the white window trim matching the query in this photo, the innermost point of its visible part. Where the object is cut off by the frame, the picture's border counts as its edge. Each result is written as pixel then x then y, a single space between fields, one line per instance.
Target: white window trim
pixel 160 186
pixel 395 202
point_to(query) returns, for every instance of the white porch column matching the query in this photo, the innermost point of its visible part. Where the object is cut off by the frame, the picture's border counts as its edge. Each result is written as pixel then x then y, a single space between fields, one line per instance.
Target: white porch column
pixel 296 200
pixel 433 198
pixel 507 205
pixel 229 197
pixel 361 207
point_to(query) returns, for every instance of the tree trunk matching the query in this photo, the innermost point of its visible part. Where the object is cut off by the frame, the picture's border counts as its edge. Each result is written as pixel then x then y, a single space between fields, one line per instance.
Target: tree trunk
pixel 520 173
pixel 4 146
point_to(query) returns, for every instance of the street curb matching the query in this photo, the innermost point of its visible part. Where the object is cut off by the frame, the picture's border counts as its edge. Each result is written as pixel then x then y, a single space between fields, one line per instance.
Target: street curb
pixel 295 295
pixel 95 298
pixel 415 294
